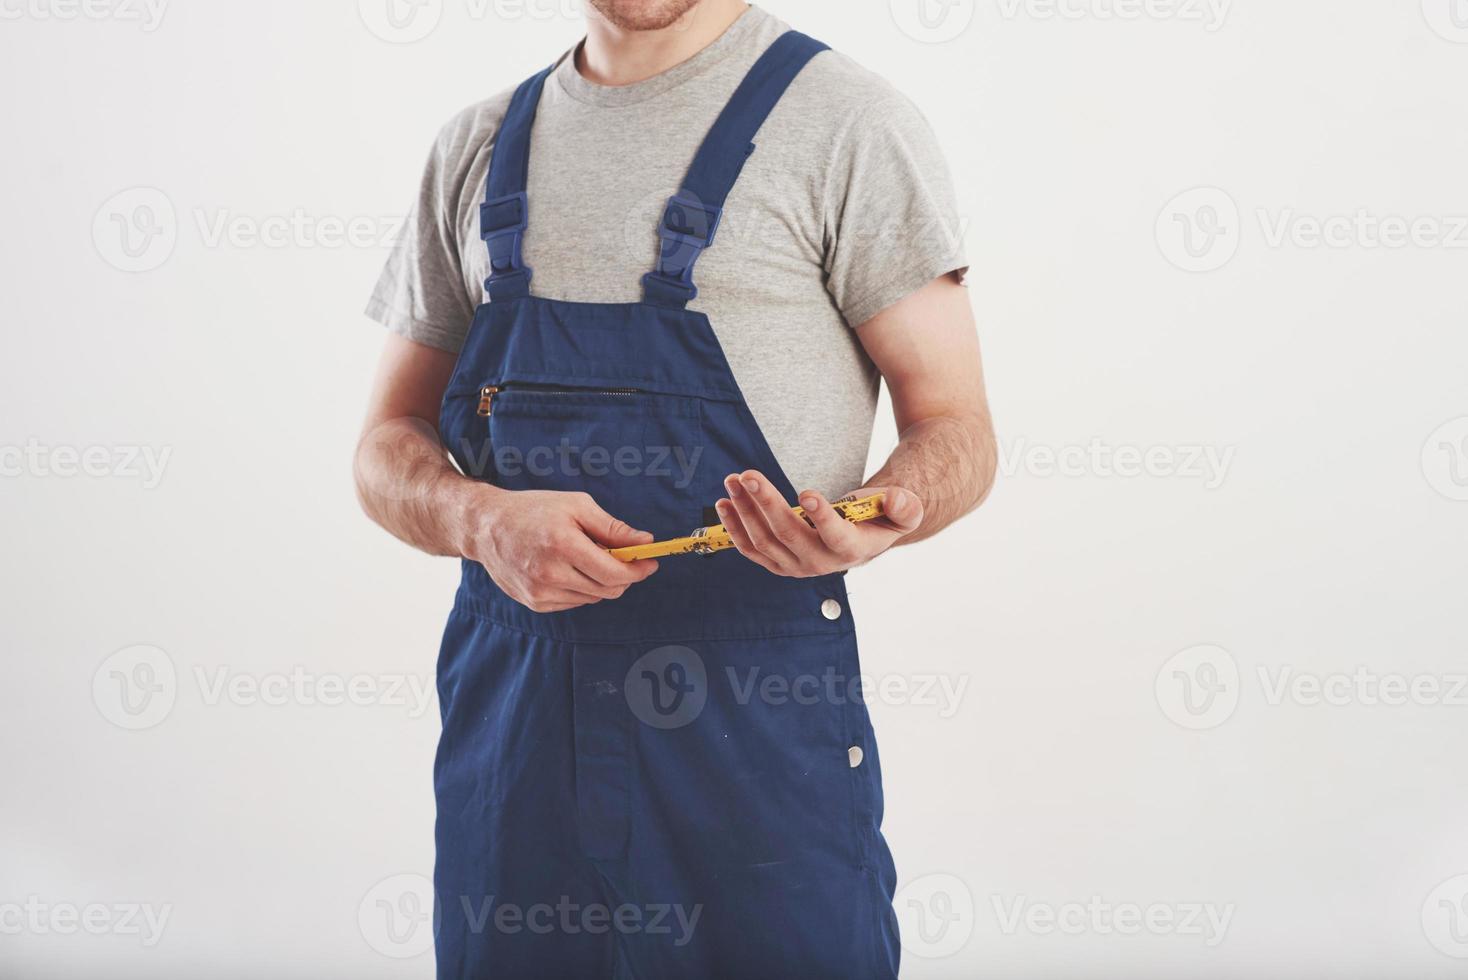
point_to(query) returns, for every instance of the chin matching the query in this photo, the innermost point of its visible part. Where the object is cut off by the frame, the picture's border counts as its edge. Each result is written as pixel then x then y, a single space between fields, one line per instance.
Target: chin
pixel 643 15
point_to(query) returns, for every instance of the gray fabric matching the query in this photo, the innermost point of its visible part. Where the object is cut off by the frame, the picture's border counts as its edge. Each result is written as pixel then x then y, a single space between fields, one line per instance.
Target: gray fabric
pixel 845 208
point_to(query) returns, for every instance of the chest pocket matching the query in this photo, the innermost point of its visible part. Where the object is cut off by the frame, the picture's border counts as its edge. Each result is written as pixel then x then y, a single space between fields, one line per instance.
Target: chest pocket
pixel 641 455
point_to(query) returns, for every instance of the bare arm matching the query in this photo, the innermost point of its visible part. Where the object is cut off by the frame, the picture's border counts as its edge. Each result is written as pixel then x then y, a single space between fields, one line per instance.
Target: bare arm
pixel 927 348
pixel 546 550
pixel 405 481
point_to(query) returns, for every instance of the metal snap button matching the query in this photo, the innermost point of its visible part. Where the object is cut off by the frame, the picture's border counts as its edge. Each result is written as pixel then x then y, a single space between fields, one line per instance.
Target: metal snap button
pixel 855 755
pixel 831 609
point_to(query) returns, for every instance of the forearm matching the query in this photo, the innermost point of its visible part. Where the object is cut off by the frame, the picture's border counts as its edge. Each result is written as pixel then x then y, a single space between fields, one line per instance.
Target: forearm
pixel 949 462
pixel 406 484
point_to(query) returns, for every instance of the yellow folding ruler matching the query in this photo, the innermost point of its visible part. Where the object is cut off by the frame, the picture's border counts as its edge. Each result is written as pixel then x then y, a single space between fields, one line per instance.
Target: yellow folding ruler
pixel 707 540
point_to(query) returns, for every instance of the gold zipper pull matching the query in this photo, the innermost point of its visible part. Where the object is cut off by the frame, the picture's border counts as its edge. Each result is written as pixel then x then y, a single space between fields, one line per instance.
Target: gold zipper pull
pixel 486 396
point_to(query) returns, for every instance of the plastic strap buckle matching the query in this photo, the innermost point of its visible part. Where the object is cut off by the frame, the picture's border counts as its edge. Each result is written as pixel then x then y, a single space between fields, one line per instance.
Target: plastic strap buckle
pixel 686 229
pixel 502 224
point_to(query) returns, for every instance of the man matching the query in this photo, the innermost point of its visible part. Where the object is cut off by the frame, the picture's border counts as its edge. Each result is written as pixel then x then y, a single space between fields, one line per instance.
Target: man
pixel 623 790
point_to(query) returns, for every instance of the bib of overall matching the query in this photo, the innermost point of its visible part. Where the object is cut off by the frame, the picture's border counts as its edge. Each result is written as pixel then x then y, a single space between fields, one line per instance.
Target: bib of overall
pixel 683 782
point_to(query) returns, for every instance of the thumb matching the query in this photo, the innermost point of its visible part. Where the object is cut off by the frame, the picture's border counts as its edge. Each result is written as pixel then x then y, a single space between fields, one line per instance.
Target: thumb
pixel 606 530
pixel 903 509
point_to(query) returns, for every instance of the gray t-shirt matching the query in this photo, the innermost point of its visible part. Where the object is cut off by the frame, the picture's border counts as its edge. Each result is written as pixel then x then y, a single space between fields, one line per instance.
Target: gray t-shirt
pixel 845 208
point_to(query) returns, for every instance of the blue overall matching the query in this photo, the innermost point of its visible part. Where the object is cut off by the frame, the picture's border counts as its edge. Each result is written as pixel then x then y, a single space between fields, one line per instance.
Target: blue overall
pixel 681 783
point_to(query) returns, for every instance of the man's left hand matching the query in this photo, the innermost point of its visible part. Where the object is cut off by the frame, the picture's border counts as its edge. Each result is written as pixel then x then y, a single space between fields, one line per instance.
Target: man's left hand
pixel 770 534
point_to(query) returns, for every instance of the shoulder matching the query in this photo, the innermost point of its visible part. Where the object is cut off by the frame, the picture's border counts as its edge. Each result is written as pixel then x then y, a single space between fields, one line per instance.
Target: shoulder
pixel 461 153
pixel 468 136
pixel 470 132
pixel 834 92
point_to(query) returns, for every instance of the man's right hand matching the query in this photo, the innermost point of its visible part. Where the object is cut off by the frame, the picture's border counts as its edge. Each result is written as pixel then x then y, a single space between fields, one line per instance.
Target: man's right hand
pixel 548 550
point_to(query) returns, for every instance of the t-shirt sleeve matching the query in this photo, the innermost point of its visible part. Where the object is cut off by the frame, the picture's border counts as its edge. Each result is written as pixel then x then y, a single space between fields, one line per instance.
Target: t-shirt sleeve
pixel 420 294
pixel 891 215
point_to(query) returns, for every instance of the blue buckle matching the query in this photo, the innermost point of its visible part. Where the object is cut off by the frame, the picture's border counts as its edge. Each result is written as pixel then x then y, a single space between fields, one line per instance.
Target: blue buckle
pixel 686 229
pixel 502 224
pixel 686 220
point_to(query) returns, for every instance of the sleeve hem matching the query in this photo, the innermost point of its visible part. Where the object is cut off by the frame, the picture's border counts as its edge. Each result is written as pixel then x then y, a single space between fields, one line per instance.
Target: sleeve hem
pixel 902 285
pixel 418 331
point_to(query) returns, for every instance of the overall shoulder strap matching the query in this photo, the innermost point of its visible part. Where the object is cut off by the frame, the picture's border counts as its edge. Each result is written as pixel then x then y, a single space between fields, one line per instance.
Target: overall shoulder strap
pixel 692 215
pixel 505 213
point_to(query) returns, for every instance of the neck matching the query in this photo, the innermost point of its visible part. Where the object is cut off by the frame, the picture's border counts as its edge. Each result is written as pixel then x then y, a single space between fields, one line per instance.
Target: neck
pixel 613 55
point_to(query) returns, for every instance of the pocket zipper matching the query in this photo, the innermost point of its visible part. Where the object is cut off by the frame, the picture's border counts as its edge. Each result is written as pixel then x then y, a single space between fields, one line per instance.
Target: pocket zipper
pixel 487 393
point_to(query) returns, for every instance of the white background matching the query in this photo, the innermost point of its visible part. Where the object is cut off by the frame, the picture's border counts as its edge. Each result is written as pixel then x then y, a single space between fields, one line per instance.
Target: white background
pixel 1119 640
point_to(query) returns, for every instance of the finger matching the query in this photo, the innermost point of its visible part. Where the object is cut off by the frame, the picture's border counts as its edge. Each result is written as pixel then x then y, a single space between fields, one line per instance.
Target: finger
pixel 902 509
pixel 792 533
pixel 730 519
pixel 605 529
pixel 589 556
pixel 590 560
pixel 840 537
pixel 751 515
pixel 741 539
pixel 580 581
pixel 554 599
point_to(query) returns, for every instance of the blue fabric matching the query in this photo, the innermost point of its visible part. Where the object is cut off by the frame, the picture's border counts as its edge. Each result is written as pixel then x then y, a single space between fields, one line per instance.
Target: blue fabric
pixel 623 789
pixel 504 215
pixel 692 215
